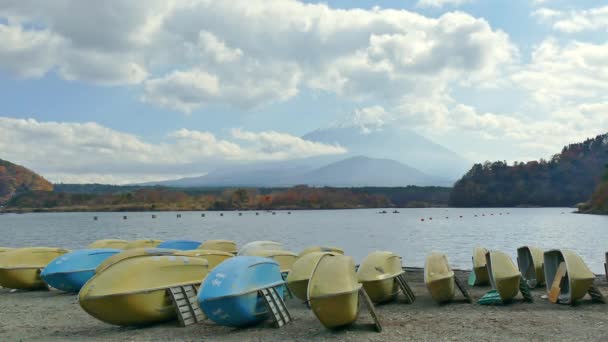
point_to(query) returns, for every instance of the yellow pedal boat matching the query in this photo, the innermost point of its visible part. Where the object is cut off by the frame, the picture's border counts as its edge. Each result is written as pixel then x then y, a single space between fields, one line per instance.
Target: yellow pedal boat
pixel 251 247
pixel 146 243
pixel 285 259
pixel 133 291
pixel 219 245
pixel 439 278
pixel 377 274
pixel 130 253
pixel 301 270
pixel 333 291
pixel 479 266
pixel 579 277
pixel 213 257
pixel 504 275
pixel 531 265
pixel 329 249
pixel 109 243
pixel 20 267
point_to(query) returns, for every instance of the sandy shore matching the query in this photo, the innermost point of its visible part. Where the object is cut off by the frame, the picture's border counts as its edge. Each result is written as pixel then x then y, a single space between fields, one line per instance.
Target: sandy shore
pixel 43 315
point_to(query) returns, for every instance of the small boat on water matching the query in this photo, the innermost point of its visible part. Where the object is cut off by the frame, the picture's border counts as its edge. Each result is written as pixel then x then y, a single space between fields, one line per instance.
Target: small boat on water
pixel 298 277
pixel 109 243
pixel 575 279
pixel 229 294
pixel 213 257
pixel 143 299
pixel 480 268
pixel 333 291
pixel 329 249
pixel 71 271
pixel 219 245
pixel 504 275
pixel 183 245
pixel 531 265
pixel 377 274
pixel 251 247
pixel 146 243
pixel 439 278
pixel 284 258
pixel 20 267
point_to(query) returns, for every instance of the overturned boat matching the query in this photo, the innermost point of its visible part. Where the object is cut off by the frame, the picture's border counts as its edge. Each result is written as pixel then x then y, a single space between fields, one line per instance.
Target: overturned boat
pixel 251 247
pixel 71 271
pixel 183 245
pixel 133 291
pixel 130 253
pixel 480 269
pixel 567 272
pixel 213 257
pixel 285 259
pixel 229 294
pixel 333 291
pixel 228 246
pixel 327 249
pixel 145 243
pixel 109 243
pixel 439 278
pixel 20 267
pixel 504 275
pixel 530 263
pixel 301 270
pixel 377 274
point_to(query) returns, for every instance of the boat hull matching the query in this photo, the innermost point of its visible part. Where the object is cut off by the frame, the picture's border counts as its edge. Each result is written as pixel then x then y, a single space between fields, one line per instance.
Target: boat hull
pixel 336 311
pixel 69 281
pixel 236 311
pixel 21 278
pixel 381 291
pixel 299 288
pixel 442 290
pixel 579 276
pixel 507 288
pixel 504 275
pixel 481 276
pixel 131 309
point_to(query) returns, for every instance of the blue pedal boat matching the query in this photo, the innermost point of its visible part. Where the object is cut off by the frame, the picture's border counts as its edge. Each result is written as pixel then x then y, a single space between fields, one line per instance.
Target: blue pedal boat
pixel 229 294
pixel 182 245
pixel 71 271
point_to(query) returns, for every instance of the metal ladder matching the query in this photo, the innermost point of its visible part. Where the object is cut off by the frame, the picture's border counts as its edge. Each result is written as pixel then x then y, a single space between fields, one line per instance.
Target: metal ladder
pixel 463 289
pixel 366 301
pixel 596 295
pixel 185 300
pixel 405 288
pixel 276 306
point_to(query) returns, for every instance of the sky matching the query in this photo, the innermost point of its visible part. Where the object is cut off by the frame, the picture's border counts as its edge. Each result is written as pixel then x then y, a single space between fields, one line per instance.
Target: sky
pixel 125 91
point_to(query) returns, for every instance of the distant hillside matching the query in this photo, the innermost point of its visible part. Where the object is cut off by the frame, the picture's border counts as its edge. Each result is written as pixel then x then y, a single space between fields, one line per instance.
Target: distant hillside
pixel 570 177
pixel 15 179
pixel 351 172
pixel 599 200
pixel 364 171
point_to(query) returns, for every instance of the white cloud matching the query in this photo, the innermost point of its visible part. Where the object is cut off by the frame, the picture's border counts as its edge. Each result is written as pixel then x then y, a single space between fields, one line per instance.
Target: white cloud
pixel 258 51
pixel 574 21
pixel 66 151
pixel 441 3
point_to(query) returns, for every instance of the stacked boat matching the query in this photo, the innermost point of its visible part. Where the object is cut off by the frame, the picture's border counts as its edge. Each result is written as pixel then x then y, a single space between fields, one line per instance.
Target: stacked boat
pixel 439 278
pixel 20 268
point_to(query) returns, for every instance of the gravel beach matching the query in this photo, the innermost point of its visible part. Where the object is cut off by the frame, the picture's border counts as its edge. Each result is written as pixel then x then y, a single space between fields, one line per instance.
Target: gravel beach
pixel 55 316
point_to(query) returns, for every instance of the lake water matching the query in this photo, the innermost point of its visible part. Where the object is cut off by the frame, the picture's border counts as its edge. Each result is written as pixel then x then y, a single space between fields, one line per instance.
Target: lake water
pixel 359 232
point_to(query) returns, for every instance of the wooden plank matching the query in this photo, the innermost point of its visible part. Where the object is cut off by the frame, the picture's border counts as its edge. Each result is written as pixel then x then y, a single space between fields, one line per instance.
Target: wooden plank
pixel 365 300
pixel 556 285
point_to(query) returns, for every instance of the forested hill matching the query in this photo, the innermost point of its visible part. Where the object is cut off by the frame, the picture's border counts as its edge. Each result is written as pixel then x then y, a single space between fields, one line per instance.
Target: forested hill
pixel 16 179
pixel 569 178
pixel 599 200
